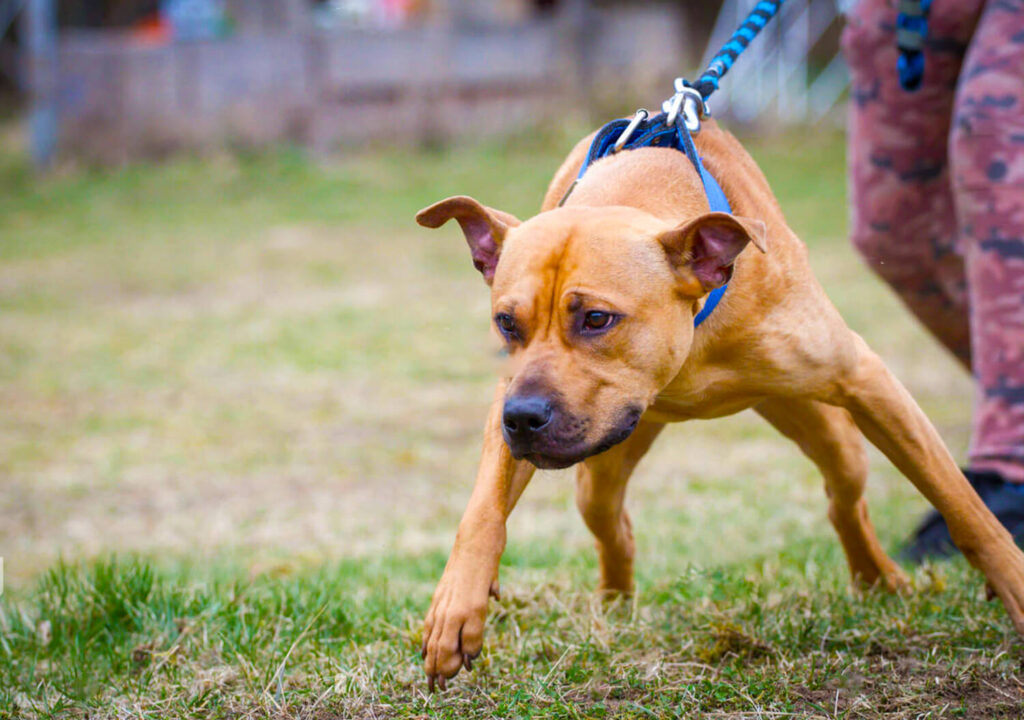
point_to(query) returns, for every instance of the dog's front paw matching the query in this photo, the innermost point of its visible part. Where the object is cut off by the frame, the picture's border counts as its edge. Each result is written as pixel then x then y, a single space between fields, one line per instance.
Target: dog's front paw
pixel 1004 571
pixel 453 634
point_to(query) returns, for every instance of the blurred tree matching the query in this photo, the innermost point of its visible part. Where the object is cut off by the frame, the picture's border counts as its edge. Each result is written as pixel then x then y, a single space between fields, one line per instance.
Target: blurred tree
pixel 8 67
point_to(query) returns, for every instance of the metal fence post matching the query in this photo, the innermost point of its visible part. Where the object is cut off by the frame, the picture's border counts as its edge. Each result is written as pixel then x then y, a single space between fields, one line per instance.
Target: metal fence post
pixel 39 28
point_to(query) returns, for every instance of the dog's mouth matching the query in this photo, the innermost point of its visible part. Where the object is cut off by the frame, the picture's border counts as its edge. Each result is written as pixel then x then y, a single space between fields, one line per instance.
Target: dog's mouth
pixel 551 462
pixel 549 454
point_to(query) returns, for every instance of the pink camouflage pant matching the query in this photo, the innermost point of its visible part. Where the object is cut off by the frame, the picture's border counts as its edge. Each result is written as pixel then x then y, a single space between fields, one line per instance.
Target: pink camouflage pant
pixel 937 194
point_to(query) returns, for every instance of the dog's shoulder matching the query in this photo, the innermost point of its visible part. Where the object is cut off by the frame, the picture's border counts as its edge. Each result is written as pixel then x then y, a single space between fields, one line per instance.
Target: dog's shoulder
pixel 738 173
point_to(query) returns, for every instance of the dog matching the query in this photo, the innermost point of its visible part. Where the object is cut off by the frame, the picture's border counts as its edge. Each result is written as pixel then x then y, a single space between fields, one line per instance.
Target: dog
pixel 596 297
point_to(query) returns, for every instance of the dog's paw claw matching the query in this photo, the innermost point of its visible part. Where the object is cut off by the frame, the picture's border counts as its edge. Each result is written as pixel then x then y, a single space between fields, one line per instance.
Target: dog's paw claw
pixel 453 632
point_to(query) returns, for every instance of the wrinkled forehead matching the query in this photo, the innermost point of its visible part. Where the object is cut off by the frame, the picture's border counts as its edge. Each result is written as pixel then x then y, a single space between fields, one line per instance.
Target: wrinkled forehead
pixel 609 247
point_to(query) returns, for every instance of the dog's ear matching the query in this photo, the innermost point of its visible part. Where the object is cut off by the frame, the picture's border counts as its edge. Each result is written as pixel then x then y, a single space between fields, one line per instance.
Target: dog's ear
pixel 708 246
pixel 483 227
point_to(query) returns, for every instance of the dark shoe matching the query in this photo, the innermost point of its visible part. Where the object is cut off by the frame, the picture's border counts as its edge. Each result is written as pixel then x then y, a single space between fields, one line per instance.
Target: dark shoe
pixel 1004 499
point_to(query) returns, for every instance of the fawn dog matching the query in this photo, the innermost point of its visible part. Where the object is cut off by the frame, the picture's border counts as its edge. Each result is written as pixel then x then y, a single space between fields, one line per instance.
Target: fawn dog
pixel 596 301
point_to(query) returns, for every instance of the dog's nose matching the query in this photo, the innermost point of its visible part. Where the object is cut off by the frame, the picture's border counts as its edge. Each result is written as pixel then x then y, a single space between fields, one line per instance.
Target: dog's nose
pixel 525 416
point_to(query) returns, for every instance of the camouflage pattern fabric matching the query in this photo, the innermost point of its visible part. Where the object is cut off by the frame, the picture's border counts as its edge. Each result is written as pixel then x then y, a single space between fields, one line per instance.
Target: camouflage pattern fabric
pixel 937 194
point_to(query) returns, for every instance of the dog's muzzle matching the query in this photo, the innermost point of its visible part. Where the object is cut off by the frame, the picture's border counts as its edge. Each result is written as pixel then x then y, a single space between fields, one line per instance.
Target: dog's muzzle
pixel 537 430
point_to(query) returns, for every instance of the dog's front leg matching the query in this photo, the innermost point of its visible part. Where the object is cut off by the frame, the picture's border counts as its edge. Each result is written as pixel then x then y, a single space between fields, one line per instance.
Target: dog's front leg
pixel 600 496
pixel 454 628
pixel 889 417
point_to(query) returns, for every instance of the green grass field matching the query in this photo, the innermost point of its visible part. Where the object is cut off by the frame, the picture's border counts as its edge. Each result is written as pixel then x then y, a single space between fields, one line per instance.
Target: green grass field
pixel 241 406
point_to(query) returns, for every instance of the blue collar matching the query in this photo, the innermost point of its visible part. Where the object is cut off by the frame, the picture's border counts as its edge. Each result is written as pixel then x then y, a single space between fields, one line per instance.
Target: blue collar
pixel 655 133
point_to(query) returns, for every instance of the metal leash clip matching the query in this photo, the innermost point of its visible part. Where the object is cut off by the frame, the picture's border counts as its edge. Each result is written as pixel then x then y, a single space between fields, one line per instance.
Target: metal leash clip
pixel 690 103
pixel 628 131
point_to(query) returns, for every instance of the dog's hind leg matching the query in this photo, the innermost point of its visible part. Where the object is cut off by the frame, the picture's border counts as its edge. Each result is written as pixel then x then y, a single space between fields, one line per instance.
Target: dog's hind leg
pixel 600 494
pixel 888 416
pixel 829 437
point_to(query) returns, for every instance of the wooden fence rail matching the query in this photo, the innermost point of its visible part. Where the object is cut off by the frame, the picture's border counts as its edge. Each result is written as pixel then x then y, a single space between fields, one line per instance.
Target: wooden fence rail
pixel 117 98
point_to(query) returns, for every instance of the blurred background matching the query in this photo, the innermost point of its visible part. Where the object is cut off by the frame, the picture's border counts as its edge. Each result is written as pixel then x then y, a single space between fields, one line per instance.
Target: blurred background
pixel 222 335
pixel 111 80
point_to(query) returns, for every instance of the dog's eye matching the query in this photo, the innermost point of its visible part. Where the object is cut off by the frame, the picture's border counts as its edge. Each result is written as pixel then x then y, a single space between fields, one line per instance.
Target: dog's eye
pixel 506 323
pixel 596 320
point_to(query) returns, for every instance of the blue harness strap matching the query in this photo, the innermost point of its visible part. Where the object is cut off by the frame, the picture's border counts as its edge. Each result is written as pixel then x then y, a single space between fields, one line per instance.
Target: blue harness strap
pixel 656 133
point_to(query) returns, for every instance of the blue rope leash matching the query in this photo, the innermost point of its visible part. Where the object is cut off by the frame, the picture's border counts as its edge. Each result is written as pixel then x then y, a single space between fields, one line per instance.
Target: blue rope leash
pixel 681 118
pixel 720 63
pixel 911 30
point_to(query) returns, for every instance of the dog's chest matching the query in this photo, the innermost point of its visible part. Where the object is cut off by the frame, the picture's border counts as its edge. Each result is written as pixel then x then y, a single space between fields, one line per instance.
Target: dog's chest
pixel 708 393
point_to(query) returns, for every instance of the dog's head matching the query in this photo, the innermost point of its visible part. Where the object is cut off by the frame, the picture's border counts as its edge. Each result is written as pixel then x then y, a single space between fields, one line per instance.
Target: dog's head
pixel 596 306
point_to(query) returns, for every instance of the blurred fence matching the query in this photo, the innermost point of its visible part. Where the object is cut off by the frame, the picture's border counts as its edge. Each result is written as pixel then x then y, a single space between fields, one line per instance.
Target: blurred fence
pixel 117 97
pixel 280 75
pixel 793 72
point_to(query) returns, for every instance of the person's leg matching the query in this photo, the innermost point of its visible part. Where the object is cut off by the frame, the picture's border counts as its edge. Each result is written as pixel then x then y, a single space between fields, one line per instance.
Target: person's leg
pixel 986 149
pixel 904 219
pixel 902 214
pixel 987 158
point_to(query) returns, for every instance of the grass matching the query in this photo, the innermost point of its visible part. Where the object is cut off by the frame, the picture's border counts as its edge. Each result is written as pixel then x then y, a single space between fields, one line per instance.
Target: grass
pixel 242 399
pixel 340 641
